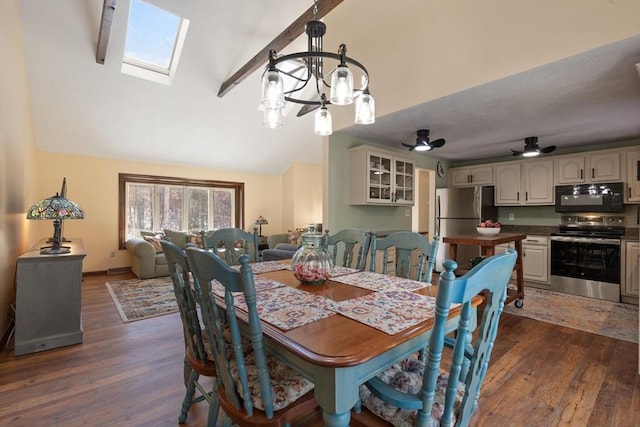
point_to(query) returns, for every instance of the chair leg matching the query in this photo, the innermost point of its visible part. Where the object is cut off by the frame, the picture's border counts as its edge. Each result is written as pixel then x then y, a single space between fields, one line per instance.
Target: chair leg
pixel 186 403
pixel 214 408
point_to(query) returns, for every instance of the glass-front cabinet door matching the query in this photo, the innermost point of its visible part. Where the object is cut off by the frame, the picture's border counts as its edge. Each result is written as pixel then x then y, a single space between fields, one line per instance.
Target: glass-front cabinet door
pixel 379 179
pixel 404 176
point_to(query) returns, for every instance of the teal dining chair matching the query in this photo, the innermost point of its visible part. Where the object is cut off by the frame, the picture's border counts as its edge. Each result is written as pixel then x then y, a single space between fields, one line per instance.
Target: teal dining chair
pixel 351 244
pixel 197 360
pixel 254 388
pixel 416 393
pixel 415 257
pixel 231 243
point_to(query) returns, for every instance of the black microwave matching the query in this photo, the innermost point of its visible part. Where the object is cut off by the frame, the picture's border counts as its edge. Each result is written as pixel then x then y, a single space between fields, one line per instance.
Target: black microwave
pixel 596 197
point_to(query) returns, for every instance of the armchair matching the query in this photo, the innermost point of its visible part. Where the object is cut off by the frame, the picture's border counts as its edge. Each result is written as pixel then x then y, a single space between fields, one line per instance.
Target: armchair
pixel 146 262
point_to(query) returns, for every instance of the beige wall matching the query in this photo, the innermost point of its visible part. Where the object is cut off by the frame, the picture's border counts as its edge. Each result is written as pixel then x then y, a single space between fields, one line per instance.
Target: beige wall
pixel 93 183
pixel 302 196
pixel 16 153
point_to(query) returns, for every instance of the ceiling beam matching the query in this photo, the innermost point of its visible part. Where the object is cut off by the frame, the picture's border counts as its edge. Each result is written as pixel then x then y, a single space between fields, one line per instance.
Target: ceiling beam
pixel 108 9
pixel 283 39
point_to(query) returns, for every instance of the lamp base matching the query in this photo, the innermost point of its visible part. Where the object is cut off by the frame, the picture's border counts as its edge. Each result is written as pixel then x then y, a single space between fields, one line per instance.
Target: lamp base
pixel 50 250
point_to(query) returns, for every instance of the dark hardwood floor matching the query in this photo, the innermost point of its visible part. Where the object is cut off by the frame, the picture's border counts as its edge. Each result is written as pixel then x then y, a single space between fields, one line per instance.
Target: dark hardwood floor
pixel 131 375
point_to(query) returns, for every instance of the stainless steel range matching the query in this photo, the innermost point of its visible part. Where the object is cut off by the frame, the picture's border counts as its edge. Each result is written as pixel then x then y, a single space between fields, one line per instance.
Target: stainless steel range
pixel 585 256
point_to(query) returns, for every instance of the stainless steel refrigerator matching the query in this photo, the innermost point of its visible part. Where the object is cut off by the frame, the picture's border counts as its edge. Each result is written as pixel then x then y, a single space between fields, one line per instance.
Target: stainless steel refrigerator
pixel 459 211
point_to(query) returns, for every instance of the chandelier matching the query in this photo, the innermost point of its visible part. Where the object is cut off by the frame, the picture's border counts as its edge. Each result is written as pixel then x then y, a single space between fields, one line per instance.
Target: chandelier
pixel 285 79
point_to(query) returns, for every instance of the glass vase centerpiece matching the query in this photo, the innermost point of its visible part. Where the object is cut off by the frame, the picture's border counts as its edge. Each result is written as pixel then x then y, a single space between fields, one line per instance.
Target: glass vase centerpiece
pixel 312 264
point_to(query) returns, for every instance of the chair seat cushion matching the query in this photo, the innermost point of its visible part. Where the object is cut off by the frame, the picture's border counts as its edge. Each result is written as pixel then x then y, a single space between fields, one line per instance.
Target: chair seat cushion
pixel 287 385
pixel 406 376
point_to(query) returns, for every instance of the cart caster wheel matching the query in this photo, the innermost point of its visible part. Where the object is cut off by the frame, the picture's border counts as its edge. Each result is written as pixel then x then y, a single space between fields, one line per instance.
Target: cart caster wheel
pixel 519 303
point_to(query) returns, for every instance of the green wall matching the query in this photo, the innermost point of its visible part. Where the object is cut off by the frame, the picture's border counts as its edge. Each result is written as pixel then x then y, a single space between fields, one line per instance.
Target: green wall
pixel 340 214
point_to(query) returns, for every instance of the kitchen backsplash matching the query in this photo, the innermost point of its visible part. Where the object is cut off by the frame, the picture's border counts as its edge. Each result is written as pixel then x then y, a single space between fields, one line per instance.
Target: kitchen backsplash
pixel 547 216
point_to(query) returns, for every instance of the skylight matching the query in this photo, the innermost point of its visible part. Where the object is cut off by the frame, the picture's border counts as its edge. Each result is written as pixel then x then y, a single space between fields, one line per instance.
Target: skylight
pixel 154 42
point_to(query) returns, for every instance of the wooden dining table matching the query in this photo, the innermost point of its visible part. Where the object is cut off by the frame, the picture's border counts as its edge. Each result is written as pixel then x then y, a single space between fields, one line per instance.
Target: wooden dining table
pixel 339 354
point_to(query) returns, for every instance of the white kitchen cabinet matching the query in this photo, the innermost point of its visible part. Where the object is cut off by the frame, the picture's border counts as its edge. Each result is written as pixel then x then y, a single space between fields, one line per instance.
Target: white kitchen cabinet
pixel 596 167
pixel 470 176
pixel 535 258
pixel 632 195
pixel 525 183
pixel 632 270
pixel 380 178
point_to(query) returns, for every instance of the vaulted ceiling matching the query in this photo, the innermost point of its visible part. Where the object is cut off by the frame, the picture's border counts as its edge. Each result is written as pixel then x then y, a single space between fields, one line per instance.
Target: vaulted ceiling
pixel 483 75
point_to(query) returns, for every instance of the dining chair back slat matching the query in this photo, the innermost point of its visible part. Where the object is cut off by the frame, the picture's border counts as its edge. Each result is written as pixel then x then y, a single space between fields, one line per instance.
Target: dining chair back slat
pixel 231 243
pixel 351 244
pixel 447 397
pixel 247 376
pixel 197 361
pixel 415 257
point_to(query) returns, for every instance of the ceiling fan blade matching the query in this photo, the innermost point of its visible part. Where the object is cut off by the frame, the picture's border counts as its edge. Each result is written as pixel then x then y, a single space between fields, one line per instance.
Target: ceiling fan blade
pixel 307 109
pixel 548 149
pixel 516 153
pixel 407 145
pixel 437 143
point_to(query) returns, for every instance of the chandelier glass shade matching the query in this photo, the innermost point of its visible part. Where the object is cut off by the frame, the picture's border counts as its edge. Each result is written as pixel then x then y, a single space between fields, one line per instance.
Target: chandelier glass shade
pixel 286 79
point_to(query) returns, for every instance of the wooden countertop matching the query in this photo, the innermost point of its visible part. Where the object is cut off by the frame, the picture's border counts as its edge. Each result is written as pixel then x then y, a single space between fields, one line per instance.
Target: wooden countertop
pixel 481 240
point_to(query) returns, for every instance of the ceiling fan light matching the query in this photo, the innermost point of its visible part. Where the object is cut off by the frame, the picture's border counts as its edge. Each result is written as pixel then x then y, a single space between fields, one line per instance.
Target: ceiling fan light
pixel 341 86
pixel 423 147
pixel 365 109
pixel 272 89
pixel 272 118
pixel 323 126
pixel 530 153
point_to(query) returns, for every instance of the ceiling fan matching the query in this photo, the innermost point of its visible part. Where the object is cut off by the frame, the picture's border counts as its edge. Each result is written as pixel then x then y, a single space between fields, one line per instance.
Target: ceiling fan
pixel 532 149
pixel 423 143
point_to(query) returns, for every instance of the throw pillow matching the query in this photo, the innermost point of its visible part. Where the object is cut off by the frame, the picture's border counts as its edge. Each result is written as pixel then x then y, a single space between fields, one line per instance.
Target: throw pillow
pixel 178 238
pixel 293 237
pixel 155 242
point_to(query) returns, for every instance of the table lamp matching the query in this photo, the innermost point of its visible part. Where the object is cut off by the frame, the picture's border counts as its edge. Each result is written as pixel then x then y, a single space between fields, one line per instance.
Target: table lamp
pixel 260 221
pixel 56 208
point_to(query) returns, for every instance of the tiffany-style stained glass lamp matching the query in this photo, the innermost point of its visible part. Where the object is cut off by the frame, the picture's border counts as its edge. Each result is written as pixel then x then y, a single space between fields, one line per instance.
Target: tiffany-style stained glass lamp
pixel 260 222
pixel 56 208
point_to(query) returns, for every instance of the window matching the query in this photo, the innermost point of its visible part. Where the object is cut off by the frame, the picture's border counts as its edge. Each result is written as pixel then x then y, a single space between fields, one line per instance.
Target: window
pixel 154 42
pixel 153 203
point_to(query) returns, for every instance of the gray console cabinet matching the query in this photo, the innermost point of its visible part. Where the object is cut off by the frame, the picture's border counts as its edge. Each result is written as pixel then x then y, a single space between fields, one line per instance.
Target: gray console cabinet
pixel 49 299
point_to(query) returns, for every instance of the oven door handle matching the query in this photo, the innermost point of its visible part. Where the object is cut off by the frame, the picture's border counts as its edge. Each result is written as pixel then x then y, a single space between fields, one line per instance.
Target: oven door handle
pixel 601 241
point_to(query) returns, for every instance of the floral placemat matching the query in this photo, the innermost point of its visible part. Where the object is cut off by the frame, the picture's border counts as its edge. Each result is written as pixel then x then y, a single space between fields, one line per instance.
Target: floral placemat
pixel 288 308
pixel 379 282
pixel 261 284
pixel 390 312
pixel 265 267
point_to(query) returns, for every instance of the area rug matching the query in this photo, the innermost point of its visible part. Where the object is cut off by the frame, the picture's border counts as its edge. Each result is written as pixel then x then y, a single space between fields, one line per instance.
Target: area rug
pixel 615 320
pixel 139 299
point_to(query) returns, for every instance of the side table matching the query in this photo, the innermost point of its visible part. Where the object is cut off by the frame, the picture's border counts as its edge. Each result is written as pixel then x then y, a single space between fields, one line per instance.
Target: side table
pixel 48 299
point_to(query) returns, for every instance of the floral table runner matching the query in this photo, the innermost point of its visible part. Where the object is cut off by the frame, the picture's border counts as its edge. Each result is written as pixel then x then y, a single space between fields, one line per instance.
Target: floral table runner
pixel 379 282
pixel 341 271
pixel 261 284
pixel 288 308
pixel 265 267
pixel 390 311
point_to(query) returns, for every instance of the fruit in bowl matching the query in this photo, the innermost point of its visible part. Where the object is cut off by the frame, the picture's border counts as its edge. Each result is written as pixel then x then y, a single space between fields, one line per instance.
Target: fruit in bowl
pixel 489 228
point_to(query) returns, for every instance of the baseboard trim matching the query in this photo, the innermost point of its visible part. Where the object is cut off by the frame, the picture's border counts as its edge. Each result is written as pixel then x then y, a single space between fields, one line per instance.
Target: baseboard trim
pixel 108 272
